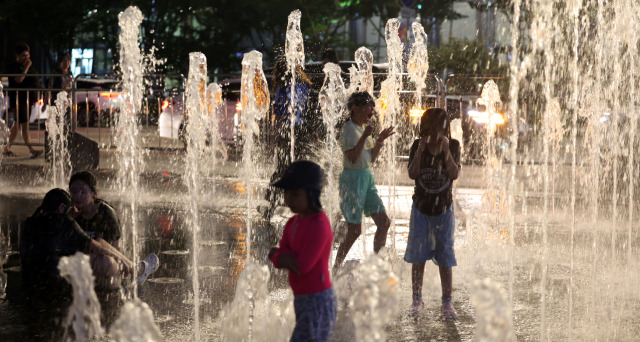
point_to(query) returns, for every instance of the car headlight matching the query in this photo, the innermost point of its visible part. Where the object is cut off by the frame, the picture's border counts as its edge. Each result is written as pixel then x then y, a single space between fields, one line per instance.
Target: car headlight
pixel 483 117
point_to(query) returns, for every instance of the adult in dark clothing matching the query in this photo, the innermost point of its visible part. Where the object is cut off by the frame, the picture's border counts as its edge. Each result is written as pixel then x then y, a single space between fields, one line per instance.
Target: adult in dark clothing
pixel 63 77
pixel 307 125
pixel 98 220
pixel 21 101
pixel 95 216
pixel 48 235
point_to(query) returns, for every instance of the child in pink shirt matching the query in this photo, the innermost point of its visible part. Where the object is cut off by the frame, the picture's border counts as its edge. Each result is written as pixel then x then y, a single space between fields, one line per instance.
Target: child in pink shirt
pixel 304 250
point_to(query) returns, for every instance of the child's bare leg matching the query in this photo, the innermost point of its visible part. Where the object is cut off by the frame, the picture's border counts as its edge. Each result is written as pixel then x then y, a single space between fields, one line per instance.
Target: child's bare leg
pixel 353 232
pixel 446 281
pixel 417 275
pixel 383 223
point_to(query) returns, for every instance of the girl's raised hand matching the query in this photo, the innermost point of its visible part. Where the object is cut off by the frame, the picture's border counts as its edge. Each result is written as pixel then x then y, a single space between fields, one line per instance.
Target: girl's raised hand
pixel 387 132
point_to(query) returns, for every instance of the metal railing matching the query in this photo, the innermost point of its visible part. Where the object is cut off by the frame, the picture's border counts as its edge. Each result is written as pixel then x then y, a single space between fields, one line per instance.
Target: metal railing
pixel 95 107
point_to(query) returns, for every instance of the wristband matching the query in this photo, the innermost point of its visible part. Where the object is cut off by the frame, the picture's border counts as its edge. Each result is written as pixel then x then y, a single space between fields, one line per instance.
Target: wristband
pixel 379 143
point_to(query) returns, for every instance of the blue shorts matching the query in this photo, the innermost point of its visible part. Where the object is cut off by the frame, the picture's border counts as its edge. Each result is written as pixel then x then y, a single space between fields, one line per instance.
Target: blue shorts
pixel 358 193
pixel 315 316
pixel 431 237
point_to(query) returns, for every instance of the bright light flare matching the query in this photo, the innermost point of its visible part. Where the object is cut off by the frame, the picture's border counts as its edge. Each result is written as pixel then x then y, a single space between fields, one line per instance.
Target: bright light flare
pixel 483 117
pixel 165 104
pixel 110 95
pixel 416 112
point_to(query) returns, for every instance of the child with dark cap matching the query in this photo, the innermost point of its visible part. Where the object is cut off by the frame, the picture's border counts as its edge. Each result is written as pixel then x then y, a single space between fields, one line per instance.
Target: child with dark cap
pixel 304 250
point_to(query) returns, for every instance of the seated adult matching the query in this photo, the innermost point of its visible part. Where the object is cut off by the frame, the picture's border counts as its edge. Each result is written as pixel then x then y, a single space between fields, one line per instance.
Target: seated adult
pixel 48 235
pixel 95 216
pixel 98 220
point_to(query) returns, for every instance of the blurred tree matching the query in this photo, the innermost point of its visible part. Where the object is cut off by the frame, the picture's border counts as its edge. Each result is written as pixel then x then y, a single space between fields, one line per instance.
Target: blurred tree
pixel 464 56
pixel 223 30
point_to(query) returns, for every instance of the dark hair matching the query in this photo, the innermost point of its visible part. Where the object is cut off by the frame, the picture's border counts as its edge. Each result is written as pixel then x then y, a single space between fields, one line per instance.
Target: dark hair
pixel 62 55
pixel 358 99
pixel 432 118
pixel 330 55
pixel 86 177
pixel 53 199
pixel 22 47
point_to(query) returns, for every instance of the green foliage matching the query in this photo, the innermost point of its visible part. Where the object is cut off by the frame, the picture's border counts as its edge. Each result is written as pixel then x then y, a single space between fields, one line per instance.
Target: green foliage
pixel 464 57
pixel 222 29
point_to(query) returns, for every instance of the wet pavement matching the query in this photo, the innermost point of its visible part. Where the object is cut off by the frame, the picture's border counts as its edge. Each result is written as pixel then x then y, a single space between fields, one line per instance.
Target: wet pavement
pixel 563 279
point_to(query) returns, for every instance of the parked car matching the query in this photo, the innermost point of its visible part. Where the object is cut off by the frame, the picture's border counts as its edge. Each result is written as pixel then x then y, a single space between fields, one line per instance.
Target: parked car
pixel 97 101
pixel 172 122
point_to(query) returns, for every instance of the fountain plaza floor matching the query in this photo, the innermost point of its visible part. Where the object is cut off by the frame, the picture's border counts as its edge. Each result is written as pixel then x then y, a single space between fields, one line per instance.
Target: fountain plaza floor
pixel 578 301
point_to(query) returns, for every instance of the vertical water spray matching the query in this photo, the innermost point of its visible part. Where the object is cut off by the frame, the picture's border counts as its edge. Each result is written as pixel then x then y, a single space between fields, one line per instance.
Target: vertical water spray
pixel 4 130
pixel 514 71
pixel 84 312
pixel 361 75
pixel 375 299
pixel 394 82
pixel 127 132
pixel 332 99
pixel 294 51
pixel 196 135
pixel 418 64
pixel 57 137
pixel 135 324
pixel 575 12
pixel 214 143
pixel 493 310
pixel 495 197
pixel 255 103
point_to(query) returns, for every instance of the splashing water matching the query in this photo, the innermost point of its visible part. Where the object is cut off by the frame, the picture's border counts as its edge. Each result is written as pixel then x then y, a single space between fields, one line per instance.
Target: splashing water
pixel 84 312
pixel 332 100
pixel 255 103
pixel 374 296
pixel 196 136
pixel 214 106
pixel 57 136
pixel 127 132
pixel 389 92
pixel 418 64
pixel 394 48
pixel 252 316
pixel 4 130
pixel 493 311
pixel 361 77
pixel 294 51
pixel 135 324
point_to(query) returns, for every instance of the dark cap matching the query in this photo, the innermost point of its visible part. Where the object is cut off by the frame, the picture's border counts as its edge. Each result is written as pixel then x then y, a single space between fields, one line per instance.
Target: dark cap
pixel 301 174
pixel 359 99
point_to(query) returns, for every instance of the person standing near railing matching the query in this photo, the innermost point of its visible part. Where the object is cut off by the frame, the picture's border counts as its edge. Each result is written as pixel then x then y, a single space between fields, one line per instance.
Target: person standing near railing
pixel 21 101
pixel 62 78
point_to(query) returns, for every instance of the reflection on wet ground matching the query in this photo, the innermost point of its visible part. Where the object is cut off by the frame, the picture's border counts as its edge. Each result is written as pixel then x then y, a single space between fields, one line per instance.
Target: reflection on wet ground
pixel 589 290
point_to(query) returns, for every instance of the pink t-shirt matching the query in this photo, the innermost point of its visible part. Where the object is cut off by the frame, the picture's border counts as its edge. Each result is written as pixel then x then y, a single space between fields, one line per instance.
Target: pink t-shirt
pixel 309 240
